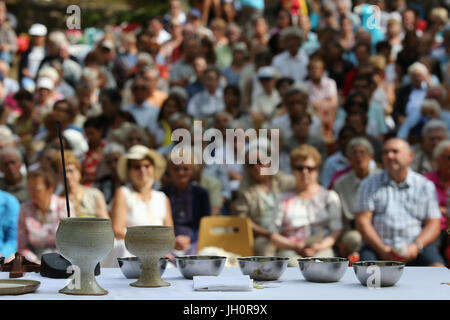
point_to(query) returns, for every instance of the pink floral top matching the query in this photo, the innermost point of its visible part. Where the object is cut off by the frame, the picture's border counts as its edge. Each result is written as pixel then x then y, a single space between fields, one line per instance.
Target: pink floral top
pixel 37 233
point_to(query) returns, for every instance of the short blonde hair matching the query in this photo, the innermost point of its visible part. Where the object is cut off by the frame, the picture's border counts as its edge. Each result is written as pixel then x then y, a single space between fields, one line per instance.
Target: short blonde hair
pixel 69 158
pixel 304 152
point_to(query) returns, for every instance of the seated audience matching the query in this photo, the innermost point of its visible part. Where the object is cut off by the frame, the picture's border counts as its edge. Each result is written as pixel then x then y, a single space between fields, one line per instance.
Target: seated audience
pixel 397 211
pixel 257 198
pixel 308 221
pixel 87 201
pixel 39 216
pixel 189 202
pixel 359 152
pixel 13 181
pixel 136 203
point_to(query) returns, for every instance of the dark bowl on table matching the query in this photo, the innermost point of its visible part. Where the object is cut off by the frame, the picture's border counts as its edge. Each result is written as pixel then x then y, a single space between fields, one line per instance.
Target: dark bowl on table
pixel 323 269
pixel 261 268
pixel 131 266
pixel 390 272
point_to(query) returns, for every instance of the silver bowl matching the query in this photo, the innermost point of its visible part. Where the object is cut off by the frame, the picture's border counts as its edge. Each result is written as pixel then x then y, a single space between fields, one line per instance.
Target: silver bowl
pixel 389 272
pixel 263 268
pixel 323 269
pixel 191 266
pixel 131 266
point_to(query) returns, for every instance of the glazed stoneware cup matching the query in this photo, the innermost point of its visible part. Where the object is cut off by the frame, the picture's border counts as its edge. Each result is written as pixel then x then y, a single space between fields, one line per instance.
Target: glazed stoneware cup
pixel 149 244
pixel 84 242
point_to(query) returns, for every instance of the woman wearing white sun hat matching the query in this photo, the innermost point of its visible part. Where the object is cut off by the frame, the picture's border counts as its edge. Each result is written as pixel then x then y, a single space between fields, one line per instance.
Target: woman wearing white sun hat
pixel 136 203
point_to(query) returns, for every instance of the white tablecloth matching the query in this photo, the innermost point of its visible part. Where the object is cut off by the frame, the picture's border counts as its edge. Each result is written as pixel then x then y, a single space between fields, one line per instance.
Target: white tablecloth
pixel 416 283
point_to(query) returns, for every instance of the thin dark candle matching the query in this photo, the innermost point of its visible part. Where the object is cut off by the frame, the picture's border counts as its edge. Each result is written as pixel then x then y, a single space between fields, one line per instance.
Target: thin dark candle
pixel 58 125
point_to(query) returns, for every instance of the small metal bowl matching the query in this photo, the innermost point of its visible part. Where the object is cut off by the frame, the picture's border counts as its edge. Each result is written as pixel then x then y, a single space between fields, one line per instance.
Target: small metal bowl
pixel 389 272
pixel 263 268
pixel 191 266
pixel 323 269
pixel 131 266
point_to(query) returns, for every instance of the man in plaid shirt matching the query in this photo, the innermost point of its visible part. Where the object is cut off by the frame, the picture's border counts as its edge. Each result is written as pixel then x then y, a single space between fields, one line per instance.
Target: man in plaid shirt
pixel 397 211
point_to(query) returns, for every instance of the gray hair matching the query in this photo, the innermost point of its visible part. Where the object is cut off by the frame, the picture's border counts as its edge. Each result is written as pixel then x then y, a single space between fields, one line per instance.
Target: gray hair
pixel 146 58
pixel 113 147
pixel 417 66
pixel 440 147
pixel 181 116
pixel 359 141
pixel 90 74
pixel 152 69
pixel 6 134
pixel 431 103
pixel 434 124
pixel 291 32
pixel 298 87
pixel 10 150
pixel 58 38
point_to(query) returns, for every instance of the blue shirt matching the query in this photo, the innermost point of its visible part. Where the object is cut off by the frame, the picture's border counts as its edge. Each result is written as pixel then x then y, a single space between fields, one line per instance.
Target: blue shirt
pixel 146 115
pixel 399 209
pixel 9 214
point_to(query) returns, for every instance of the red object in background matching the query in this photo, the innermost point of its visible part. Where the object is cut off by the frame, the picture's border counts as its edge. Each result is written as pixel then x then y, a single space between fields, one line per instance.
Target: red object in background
pixel 421 25
pixel 23 41
pixel 447 255
pixel 131 27
pixel 163 71
pixel 354 257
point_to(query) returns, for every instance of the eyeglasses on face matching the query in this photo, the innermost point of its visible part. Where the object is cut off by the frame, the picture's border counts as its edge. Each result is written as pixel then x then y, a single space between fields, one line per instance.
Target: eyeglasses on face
pixel 302 168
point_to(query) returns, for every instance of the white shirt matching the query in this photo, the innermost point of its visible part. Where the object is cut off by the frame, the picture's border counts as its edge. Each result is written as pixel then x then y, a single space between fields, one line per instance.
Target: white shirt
pixel 266 103
pixel 203 105
pixel 163 36
pixel 292 67
pixel 35 57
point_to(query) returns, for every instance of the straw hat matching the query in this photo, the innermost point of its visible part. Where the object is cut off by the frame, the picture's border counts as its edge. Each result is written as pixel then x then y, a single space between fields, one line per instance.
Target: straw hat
pixel 140 152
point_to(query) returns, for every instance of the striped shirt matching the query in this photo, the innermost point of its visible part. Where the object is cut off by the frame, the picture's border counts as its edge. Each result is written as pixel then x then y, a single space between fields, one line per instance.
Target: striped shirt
pixel 399 210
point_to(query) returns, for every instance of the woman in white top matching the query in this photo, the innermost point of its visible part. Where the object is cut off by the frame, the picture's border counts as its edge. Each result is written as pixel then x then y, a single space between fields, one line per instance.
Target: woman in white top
pixel 136 203
pixel 308 221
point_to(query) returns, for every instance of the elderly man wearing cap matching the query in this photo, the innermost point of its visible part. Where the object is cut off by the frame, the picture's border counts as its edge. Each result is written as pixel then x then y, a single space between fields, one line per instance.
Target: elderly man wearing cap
pixel 31 59
pixel 195 19
pixel 45 96
pixel 264 103
pixel 112 62
pixel 292 62
pixel 136 203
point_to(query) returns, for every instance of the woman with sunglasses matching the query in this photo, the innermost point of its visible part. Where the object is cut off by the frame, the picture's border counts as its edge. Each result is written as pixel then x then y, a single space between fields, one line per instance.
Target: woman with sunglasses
pixel 136 203
pixel 308 220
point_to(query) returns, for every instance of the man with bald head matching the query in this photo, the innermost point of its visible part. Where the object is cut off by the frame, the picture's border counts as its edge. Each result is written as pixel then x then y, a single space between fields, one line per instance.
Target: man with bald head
pixel 397 211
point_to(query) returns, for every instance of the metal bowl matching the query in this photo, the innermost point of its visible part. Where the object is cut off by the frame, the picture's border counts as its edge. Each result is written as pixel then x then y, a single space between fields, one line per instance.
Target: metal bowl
pixel 263 268
pixel 323 269
pixel 131 266
pixel 378 273
pixel 191 266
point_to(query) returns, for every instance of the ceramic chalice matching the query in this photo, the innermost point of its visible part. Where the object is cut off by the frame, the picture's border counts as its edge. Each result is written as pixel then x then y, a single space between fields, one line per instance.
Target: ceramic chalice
pixel 149 244
pixel 84 242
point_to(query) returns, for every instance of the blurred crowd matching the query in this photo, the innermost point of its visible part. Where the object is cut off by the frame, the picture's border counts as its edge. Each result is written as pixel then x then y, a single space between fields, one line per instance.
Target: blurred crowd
pixel 359 91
